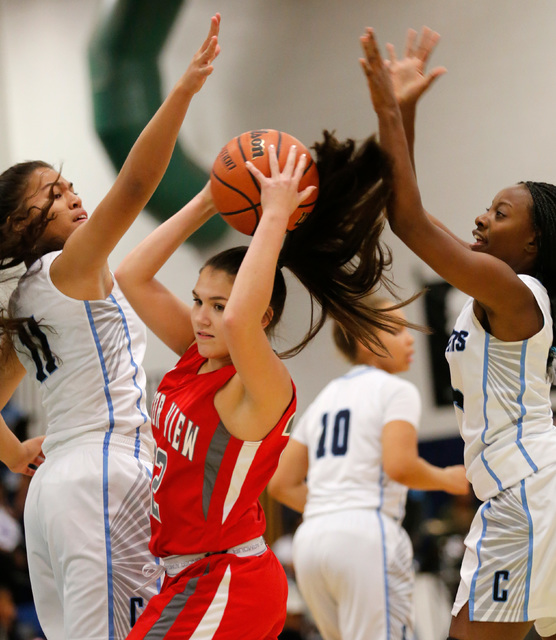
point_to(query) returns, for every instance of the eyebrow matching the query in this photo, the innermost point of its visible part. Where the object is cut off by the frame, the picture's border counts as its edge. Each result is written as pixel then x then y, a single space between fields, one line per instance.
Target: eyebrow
pixel 49 185
pixel 211 298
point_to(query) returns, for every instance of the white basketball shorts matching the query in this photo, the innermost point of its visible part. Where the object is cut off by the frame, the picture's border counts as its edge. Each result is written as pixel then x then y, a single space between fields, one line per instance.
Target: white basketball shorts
pixel 87 532
pixel 508 572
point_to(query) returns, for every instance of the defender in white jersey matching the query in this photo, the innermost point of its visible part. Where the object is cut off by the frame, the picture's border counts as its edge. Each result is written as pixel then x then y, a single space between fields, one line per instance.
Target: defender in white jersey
pixel 357 446
pixel 501 356
pixel 71 329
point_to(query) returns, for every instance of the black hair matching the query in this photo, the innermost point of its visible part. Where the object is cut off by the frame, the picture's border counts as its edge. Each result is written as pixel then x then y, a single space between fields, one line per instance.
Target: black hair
pixel 20 234
pixel 337 253
pixel 543 196
pixel 229 261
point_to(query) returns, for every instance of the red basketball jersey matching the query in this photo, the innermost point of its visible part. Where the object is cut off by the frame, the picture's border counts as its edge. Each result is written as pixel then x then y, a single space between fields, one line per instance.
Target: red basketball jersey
pixel 206 483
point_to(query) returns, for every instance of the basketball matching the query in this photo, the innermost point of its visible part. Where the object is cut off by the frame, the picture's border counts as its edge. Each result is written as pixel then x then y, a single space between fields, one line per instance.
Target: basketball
pixel 237 193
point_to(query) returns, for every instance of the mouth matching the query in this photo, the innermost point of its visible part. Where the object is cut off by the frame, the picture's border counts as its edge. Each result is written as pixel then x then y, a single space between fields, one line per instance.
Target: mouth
pixel 203 335
pixel 82 216
pixel 480 240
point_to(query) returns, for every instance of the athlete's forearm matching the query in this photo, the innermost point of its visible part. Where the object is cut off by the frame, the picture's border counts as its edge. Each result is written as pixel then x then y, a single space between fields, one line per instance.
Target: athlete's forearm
pixel 420 474
pixel 294 497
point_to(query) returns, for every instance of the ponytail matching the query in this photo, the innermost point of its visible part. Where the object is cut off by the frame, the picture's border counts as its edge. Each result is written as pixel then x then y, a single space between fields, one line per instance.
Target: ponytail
pixel 337 253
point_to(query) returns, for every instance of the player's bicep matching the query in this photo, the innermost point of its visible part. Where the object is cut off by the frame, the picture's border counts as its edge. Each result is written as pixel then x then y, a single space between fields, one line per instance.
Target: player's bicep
pixel 168 317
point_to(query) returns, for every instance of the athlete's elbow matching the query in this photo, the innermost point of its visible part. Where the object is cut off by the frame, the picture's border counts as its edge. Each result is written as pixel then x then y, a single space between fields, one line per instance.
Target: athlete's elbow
pixel 122 276
pixel 399 471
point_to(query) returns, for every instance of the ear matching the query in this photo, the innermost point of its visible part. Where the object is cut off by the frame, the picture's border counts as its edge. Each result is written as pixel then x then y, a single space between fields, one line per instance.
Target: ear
pixel 267 318
pixel 532 246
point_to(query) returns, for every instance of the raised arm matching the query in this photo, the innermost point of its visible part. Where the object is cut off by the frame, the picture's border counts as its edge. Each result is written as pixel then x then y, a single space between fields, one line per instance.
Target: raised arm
pixel 86 251
pixel 163 312
pixel 264 388
pixel 411 80
pixel 491 281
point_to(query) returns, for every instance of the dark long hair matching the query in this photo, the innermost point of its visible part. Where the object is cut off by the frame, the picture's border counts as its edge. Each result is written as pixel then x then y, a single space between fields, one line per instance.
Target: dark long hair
pixel 337 253
pixel 543 195
pixel 20 234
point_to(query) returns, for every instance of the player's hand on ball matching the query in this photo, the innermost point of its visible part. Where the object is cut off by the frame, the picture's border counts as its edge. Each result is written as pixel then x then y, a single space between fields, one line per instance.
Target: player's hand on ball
pixel 280 191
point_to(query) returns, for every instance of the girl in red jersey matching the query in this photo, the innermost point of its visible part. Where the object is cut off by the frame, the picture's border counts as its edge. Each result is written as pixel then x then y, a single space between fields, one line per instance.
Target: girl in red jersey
pixel 222 415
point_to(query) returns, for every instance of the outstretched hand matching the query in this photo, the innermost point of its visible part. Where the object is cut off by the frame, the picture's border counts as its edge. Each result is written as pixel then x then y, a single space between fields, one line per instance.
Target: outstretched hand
pixel 404 80
pixel 409 75
pixel 378 75
pixel 280 190
pixel 201 65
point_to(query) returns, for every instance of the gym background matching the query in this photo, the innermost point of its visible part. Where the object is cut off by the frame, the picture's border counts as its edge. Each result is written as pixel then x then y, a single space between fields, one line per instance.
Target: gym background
pixel 293 65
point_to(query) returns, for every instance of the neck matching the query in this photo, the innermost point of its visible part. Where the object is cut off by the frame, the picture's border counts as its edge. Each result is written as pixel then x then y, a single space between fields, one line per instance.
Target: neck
pixel 213 364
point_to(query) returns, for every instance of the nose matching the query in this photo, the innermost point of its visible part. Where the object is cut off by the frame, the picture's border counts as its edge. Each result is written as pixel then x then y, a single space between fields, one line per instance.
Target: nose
pixel 75 201
pixel 202 316
pixel 482 220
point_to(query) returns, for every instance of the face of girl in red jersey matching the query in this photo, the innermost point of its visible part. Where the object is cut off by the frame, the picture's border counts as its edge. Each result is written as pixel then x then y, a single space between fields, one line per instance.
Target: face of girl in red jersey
pixel 210 296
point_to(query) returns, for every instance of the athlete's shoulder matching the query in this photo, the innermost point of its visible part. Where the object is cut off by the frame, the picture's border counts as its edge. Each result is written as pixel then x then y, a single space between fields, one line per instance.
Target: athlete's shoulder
pixel 541 295
pixel 536 286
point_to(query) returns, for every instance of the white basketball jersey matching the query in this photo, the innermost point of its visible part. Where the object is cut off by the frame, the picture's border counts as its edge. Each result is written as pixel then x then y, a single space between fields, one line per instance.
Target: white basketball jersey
pixel 342 430
pixel 502 399
pixel 89 366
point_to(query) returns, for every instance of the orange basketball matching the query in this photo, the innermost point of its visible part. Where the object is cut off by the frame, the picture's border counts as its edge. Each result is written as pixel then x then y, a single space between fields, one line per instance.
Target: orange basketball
pixel 236 192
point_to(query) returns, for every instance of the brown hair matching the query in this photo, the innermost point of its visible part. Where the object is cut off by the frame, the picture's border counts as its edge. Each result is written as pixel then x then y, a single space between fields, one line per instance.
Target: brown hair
pixel 347 344
pixel 337 253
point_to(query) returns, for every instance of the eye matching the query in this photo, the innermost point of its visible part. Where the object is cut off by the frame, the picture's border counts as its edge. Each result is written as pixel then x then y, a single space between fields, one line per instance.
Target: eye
pixel 219 307
pixel 500 214
pixel 196 301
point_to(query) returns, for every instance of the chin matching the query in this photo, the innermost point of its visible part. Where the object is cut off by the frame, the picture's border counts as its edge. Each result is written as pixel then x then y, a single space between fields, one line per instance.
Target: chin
pixel 210 351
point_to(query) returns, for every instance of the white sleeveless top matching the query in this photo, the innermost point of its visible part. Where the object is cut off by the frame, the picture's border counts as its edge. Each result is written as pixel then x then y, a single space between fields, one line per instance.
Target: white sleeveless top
pixel 90 371
pixel 502 399
pixel 342 430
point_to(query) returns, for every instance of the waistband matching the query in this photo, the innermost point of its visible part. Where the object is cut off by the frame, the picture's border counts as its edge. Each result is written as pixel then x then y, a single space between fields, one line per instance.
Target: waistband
pixel 128 444
pixel 172 565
